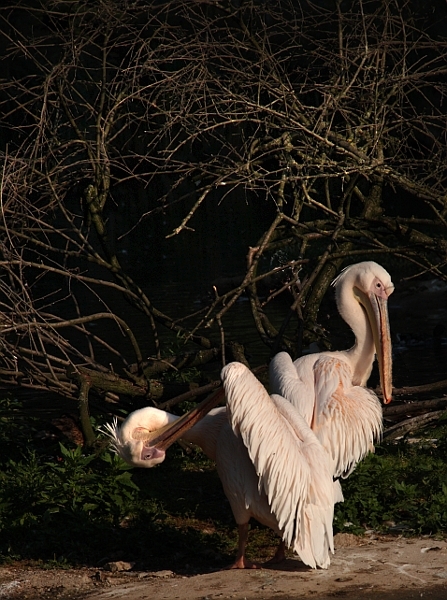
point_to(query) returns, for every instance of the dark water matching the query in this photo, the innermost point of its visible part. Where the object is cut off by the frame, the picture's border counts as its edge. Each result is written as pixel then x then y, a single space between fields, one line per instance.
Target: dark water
pixel 418 358
pixel 418 328
pixel 177 273
pixel 418 317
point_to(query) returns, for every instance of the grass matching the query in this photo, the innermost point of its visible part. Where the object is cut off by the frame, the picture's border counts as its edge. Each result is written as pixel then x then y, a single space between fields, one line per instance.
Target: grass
pixel 400 488
pixel 61 506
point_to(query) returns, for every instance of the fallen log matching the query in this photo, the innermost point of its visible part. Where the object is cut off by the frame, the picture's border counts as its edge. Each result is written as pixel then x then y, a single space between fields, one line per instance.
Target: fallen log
pixel 413 407
pixel 413 424
pixel 420 389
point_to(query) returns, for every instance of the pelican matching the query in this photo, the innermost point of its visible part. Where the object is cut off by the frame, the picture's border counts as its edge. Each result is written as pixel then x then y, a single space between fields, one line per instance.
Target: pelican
pixel 328 388
pixel 270 463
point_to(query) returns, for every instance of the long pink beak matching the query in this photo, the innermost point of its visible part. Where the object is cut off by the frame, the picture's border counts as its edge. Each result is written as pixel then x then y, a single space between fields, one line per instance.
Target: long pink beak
pixel 167 435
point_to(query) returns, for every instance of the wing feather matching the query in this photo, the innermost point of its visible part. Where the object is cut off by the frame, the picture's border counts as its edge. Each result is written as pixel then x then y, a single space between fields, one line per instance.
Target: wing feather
pixel 321 495
pixel 347 418
pixel 293 469
pixel 295 385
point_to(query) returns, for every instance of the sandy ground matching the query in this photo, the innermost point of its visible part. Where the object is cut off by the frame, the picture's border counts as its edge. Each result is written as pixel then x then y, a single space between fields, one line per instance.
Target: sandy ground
pixel 398 568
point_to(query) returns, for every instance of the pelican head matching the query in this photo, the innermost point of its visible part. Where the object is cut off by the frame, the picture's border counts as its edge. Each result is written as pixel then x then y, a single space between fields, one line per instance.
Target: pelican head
pixel 369 285
pixel 131 440
pixel 145 435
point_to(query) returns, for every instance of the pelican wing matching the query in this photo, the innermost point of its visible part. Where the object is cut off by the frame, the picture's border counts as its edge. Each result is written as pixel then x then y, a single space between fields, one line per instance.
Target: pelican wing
pixel 294 381
pixel 293 469
pixel 321 494
pixel 347 418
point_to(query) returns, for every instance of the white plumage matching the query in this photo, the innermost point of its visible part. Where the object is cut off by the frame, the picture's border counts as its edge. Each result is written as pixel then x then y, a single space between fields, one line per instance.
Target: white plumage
pixel 271 465
pixel 277 455
pixel 296 492
pixel 328 388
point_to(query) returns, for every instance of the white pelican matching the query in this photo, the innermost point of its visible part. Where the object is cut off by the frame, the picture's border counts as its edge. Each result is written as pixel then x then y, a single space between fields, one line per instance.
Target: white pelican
pixel 271 465
pixel 328 388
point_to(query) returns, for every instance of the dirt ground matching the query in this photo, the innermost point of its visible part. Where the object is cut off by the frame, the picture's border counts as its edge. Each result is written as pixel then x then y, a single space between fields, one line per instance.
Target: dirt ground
pixel 398 568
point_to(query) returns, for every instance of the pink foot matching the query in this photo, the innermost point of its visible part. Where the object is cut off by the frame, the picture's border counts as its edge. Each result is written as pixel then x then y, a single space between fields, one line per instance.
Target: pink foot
pixel 244 563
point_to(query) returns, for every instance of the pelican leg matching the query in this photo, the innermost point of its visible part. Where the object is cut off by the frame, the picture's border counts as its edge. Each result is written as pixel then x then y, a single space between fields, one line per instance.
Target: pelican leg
pixel 280 554
pixel 241 561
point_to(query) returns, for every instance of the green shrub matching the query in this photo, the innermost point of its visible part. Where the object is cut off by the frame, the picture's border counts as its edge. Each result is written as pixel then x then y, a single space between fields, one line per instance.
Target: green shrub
pixel 73 483
pixel 401 487
pixel 62 505
pixel 50 505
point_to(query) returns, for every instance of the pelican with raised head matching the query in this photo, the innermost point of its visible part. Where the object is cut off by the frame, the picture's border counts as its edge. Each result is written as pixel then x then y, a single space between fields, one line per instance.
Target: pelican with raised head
pixel 270 463
pixel 328 388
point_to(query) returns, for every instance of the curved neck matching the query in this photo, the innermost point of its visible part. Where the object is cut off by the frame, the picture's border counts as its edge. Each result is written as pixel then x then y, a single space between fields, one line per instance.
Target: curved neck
pixel 361 355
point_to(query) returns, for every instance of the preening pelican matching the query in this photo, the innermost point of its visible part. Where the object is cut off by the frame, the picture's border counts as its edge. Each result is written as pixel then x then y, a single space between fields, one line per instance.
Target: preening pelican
pixel 328 388
pixel 271 465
